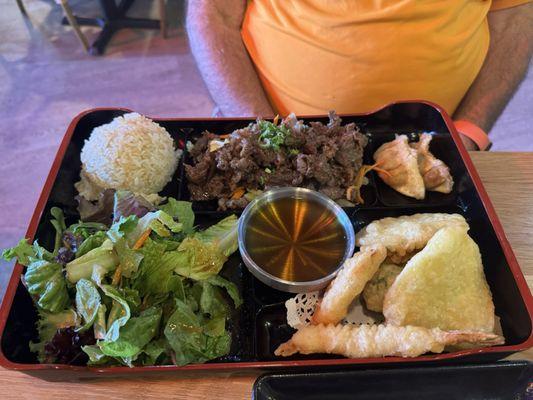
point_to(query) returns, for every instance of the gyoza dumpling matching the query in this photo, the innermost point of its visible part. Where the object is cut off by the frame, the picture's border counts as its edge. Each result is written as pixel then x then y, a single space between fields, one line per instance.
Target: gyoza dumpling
pixel 401 162
pixel 435 173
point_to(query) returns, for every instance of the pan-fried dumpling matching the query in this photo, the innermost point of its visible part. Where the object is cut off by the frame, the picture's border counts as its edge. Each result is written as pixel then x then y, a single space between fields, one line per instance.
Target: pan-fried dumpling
pixel 400 162
pixel 435 173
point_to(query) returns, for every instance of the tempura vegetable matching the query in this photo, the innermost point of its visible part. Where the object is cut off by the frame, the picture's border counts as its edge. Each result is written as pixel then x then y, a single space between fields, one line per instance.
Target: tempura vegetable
pixel 375 290
pixel 443 286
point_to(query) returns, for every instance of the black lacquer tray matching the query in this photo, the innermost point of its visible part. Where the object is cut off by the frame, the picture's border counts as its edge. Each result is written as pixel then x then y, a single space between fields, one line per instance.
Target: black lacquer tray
pixel 259 326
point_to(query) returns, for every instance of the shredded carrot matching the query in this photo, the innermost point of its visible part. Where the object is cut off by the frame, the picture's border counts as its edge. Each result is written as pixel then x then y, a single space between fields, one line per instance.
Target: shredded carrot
pixel 139 243
pixel 238 193
pixel 117 276
pixel 358 182
pixel 225 136
pixel 276 119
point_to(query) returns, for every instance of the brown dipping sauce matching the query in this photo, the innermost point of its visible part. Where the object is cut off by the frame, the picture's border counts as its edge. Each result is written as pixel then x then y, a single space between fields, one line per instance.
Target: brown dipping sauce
pixel 295 239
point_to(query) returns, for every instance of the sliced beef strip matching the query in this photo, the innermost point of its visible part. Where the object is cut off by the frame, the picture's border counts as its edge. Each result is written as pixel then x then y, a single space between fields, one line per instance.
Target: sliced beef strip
pixel 314 155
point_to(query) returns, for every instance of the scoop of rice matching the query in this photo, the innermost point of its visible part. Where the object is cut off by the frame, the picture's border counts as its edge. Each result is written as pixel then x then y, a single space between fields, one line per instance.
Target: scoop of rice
pixel 131 153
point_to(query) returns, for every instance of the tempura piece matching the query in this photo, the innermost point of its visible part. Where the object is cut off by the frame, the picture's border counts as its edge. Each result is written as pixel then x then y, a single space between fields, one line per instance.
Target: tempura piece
pixel 378 340
pixel 443 286
pixel 400 162
pixel 348 283
pixel 435 173
pixel 375 290
pixel 403 236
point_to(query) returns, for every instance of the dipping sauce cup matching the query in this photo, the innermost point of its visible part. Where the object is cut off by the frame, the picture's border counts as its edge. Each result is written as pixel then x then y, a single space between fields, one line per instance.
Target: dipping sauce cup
pixel 295 239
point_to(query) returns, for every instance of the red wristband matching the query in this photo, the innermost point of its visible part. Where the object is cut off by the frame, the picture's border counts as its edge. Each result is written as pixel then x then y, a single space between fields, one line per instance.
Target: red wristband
pixel 475 133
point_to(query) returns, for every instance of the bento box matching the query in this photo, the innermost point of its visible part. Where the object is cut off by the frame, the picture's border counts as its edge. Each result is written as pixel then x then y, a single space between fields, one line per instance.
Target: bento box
pixel 259 326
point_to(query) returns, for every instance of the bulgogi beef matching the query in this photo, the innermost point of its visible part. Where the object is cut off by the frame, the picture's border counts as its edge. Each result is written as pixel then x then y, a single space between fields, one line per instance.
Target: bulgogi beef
pixel 265 155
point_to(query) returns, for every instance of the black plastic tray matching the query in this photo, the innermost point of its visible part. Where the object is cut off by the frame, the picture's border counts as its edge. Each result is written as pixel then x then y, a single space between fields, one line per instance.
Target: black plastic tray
pixel 259 326
pixel 504 380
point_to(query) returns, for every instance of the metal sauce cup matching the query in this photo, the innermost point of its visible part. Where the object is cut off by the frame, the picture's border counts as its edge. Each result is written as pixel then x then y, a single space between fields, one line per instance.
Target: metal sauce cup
pixel 296 193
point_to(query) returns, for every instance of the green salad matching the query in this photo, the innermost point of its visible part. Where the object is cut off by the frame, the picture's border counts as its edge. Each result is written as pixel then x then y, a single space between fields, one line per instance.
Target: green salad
pixel 143 290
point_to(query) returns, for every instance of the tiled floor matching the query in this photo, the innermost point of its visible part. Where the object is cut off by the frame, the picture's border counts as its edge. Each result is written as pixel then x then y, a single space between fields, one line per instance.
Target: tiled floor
pixel 46 79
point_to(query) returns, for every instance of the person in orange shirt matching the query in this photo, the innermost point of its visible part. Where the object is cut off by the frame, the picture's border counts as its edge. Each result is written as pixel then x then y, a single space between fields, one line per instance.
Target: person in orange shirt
pixel 261 57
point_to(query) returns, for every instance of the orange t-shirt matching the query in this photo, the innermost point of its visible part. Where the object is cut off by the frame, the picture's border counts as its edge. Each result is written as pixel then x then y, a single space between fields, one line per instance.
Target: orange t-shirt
pixel 356 55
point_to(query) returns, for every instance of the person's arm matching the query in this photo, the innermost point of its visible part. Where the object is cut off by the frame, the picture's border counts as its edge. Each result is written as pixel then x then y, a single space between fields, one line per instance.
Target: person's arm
pixel 507 61
pixel 214 33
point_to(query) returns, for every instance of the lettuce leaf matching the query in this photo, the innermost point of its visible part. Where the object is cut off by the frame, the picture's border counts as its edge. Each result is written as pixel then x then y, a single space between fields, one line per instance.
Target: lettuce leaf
pixel 129 259
pixel 86 229
pixel 123 227
pixel 48 324
pixel 202 255
pixel 186 336
pixel 88 302
pixel 134 335
pixel 45 281
pixel 195 259
pixel 119 314
pixel 59 225
pixel 223 235
pixel 23 251
pixel 182 211
pixel 159 221
pixel 151 354
pixel 91 242
pixel 100 323
pixel 96 355
pixel 230 287
pixel 211 301
pixel 103 257
pixel 155 275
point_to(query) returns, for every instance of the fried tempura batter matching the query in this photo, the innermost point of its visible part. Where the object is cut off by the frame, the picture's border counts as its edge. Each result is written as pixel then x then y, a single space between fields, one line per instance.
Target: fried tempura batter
pixel 404 235
pixel 443 286
pixel 375 290
pixel 379 340
pixel 401 164
pixel 349 283
pixel 435 173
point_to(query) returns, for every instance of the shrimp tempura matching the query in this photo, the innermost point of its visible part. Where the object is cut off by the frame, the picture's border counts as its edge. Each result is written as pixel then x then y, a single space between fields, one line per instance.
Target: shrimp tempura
pixel 379 340
pixel 348 284
pixel 404 235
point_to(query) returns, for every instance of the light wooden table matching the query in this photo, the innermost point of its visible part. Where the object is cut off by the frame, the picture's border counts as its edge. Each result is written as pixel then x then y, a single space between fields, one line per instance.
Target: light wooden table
pixel 508 178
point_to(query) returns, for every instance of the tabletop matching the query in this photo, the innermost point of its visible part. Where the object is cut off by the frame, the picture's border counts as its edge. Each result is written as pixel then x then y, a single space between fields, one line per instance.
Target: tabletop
pixel 508 179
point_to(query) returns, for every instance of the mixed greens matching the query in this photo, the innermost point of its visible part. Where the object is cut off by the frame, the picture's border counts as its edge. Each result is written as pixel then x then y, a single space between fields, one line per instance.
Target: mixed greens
pixel 145 290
